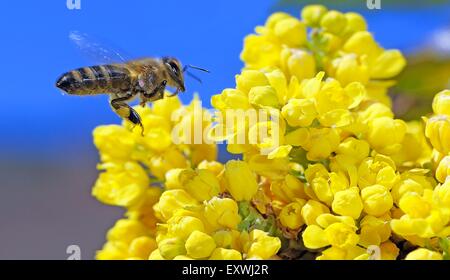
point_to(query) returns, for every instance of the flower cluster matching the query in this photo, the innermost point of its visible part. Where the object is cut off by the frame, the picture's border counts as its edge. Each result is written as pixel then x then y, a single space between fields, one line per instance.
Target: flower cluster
pixel 336 175
pixel 133 168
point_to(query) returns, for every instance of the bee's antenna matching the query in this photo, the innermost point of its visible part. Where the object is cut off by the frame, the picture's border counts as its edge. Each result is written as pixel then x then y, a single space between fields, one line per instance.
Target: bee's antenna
pixel 193 76
pixel 195 67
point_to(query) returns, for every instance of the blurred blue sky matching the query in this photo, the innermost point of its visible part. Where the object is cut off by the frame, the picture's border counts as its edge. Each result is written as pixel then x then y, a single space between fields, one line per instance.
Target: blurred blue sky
pixel 36 117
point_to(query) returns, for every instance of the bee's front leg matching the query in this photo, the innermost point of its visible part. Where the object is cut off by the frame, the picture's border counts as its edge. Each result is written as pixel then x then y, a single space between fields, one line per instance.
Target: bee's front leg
pixel 158 92
pixel 125 111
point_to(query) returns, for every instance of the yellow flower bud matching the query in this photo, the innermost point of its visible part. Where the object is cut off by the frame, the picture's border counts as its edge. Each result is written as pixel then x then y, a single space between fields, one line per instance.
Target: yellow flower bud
pixel 113 250
pixel 299 112
pixel 355 22
pixel 377 200
pixel 441 103
pixel 298 137
pixel 350 68
pixel 311 210
pixel 385 134
pixel 260 51
pixel 423 254
pixel 200 245
pixel 173 200
pixel 225 254
pixel 377 170
pixel 438 131
pixel 203 185
pixel 312 14
pixel 262 246
pixel 443 169
pixel 113 142
pixel 333 22
pixel 389 251
pixel 274 18
pixel 325 220
pixel 355 148
pixel 341 235
pixel 387 65
pixel 362 42
pixel 156 255
pixel 322 190
pixel 290 216
pixel 123 184
pixel 182 226
pixel 171 247
pixel 241 182
pixel 290 31
pixel 314 237
pixel 442 193
pixel 263 96
pixel 222 212
pixel 298 63
pixel 141 247
pixel 322 142
pixel 230 98
pixel 348 203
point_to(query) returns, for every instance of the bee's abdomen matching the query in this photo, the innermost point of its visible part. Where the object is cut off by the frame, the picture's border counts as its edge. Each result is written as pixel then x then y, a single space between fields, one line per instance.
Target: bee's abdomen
pixel 95 79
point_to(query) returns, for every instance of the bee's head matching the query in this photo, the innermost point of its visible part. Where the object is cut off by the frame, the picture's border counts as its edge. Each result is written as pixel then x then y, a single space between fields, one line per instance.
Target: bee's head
pixel 175 73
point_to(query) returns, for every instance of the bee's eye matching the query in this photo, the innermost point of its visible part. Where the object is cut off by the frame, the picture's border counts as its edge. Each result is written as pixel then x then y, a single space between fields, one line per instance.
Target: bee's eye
pixel 174 67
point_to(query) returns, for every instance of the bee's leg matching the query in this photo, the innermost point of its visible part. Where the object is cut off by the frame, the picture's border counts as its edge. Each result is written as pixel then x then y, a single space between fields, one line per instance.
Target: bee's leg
pixel 125 111
pixel 158 91
pixel 173 94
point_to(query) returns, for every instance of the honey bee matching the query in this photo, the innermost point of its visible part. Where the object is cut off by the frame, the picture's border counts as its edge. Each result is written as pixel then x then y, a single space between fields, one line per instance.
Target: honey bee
pixel 145 78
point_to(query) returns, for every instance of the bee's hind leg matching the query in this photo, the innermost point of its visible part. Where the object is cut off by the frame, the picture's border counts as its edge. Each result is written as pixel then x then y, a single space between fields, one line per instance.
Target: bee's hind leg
pixel 125 111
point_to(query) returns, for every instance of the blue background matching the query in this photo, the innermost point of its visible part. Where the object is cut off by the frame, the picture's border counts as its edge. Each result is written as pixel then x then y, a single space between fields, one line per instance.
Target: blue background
pixel 47 160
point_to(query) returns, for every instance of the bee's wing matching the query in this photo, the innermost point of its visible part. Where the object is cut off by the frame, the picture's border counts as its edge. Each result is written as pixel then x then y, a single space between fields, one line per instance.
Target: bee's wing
pixel 95 51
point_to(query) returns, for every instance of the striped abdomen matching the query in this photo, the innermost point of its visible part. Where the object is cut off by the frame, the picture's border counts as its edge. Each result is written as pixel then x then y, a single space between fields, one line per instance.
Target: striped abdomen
pixel 96 79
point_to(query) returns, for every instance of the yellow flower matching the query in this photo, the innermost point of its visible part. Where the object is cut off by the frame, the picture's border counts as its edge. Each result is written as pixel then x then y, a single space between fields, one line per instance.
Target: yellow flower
pixel 290 215
pixel 122 184
pixel 141 247
pixel 334 22
pixel 377 170
pixel 261 245
pixel 260 51
pixel 249 79
pixel 374 231
pixel 377 200
pixel 263 96
pixel 290 31
pixel 299 112
pixel 183 226
pixel 200 245
pixel 350 68
pixel 114 142
pixel 348 203
pixel 322 142
pixel 169 248
pixel 225 254
pixel 241 182
pixel 288 189
pixel 222 213
pixel 314 237
pixel 438 131
pixel 441 103
pixel 385 134
pixel 341 235
pixel 355 23
pixel 297 62
pixel 423 254
pixel 389 251
pixel 311 14
pixel 203 185
pixel 173 200
pixel 443 169
pixel 311 210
